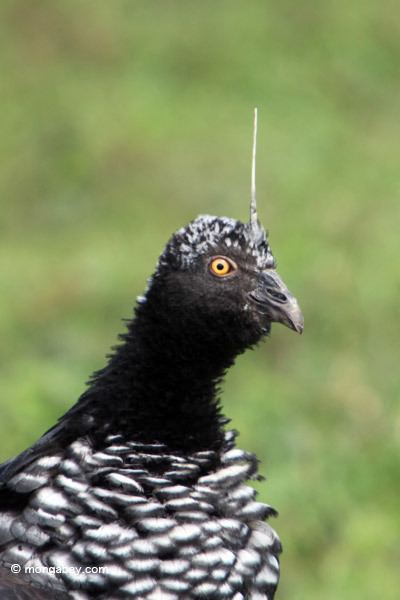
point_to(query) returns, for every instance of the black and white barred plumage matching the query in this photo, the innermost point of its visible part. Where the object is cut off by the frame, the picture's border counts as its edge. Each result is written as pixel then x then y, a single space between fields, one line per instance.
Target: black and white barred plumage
pixel 139 491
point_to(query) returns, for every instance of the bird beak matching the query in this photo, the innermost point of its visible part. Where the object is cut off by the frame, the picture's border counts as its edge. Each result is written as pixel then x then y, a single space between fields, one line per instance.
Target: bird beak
pixel 275 301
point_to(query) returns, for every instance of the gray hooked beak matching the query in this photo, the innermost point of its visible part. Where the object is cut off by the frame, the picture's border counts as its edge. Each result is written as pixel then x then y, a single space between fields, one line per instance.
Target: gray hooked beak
pixel 274 300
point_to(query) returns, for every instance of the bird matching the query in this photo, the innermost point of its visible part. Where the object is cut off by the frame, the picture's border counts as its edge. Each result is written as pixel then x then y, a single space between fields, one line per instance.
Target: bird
pixel 140 490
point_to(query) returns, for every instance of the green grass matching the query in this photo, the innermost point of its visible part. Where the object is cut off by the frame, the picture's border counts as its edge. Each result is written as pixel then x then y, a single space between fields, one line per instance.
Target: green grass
pixel 122 120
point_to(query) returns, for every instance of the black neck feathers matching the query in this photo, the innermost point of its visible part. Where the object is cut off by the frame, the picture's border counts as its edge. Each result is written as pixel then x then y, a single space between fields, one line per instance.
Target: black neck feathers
pixel 161 382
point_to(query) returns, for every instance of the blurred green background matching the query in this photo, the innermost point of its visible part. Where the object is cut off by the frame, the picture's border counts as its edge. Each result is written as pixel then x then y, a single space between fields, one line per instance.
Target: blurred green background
pixel 122 120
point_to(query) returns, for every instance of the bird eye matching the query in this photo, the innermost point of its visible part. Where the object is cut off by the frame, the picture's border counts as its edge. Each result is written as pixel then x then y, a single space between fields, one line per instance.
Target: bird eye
pixel 221 266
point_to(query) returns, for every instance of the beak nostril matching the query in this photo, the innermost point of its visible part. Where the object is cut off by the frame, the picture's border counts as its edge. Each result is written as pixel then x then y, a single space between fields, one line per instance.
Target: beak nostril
pixel 277 295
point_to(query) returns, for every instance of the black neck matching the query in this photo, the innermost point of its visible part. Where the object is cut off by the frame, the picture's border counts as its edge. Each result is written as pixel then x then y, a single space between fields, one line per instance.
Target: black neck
pixel 161 383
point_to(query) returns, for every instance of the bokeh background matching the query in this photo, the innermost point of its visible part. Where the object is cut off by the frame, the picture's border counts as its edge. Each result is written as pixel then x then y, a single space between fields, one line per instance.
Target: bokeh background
pixel 122 120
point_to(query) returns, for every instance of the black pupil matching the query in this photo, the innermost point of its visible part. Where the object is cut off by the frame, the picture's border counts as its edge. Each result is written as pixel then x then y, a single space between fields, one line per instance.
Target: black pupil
pixel 220 266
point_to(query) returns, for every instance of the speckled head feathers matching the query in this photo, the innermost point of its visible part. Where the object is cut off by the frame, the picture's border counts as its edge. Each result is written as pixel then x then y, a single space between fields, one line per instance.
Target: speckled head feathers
pixel 217 234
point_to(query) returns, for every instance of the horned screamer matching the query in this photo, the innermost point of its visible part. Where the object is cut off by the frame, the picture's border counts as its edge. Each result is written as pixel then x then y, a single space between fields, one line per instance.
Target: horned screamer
pixel 139 491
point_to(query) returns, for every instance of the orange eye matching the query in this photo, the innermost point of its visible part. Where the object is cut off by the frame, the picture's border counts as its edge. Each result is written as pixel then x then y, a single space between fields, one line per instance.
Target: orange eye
pixel 221 266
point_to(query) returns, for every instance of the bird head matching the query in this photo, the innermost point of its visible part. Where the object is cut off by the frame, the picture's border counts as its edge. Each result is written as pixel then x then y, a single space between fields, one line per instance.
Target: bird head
pixel 218 273
pixel 218 279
